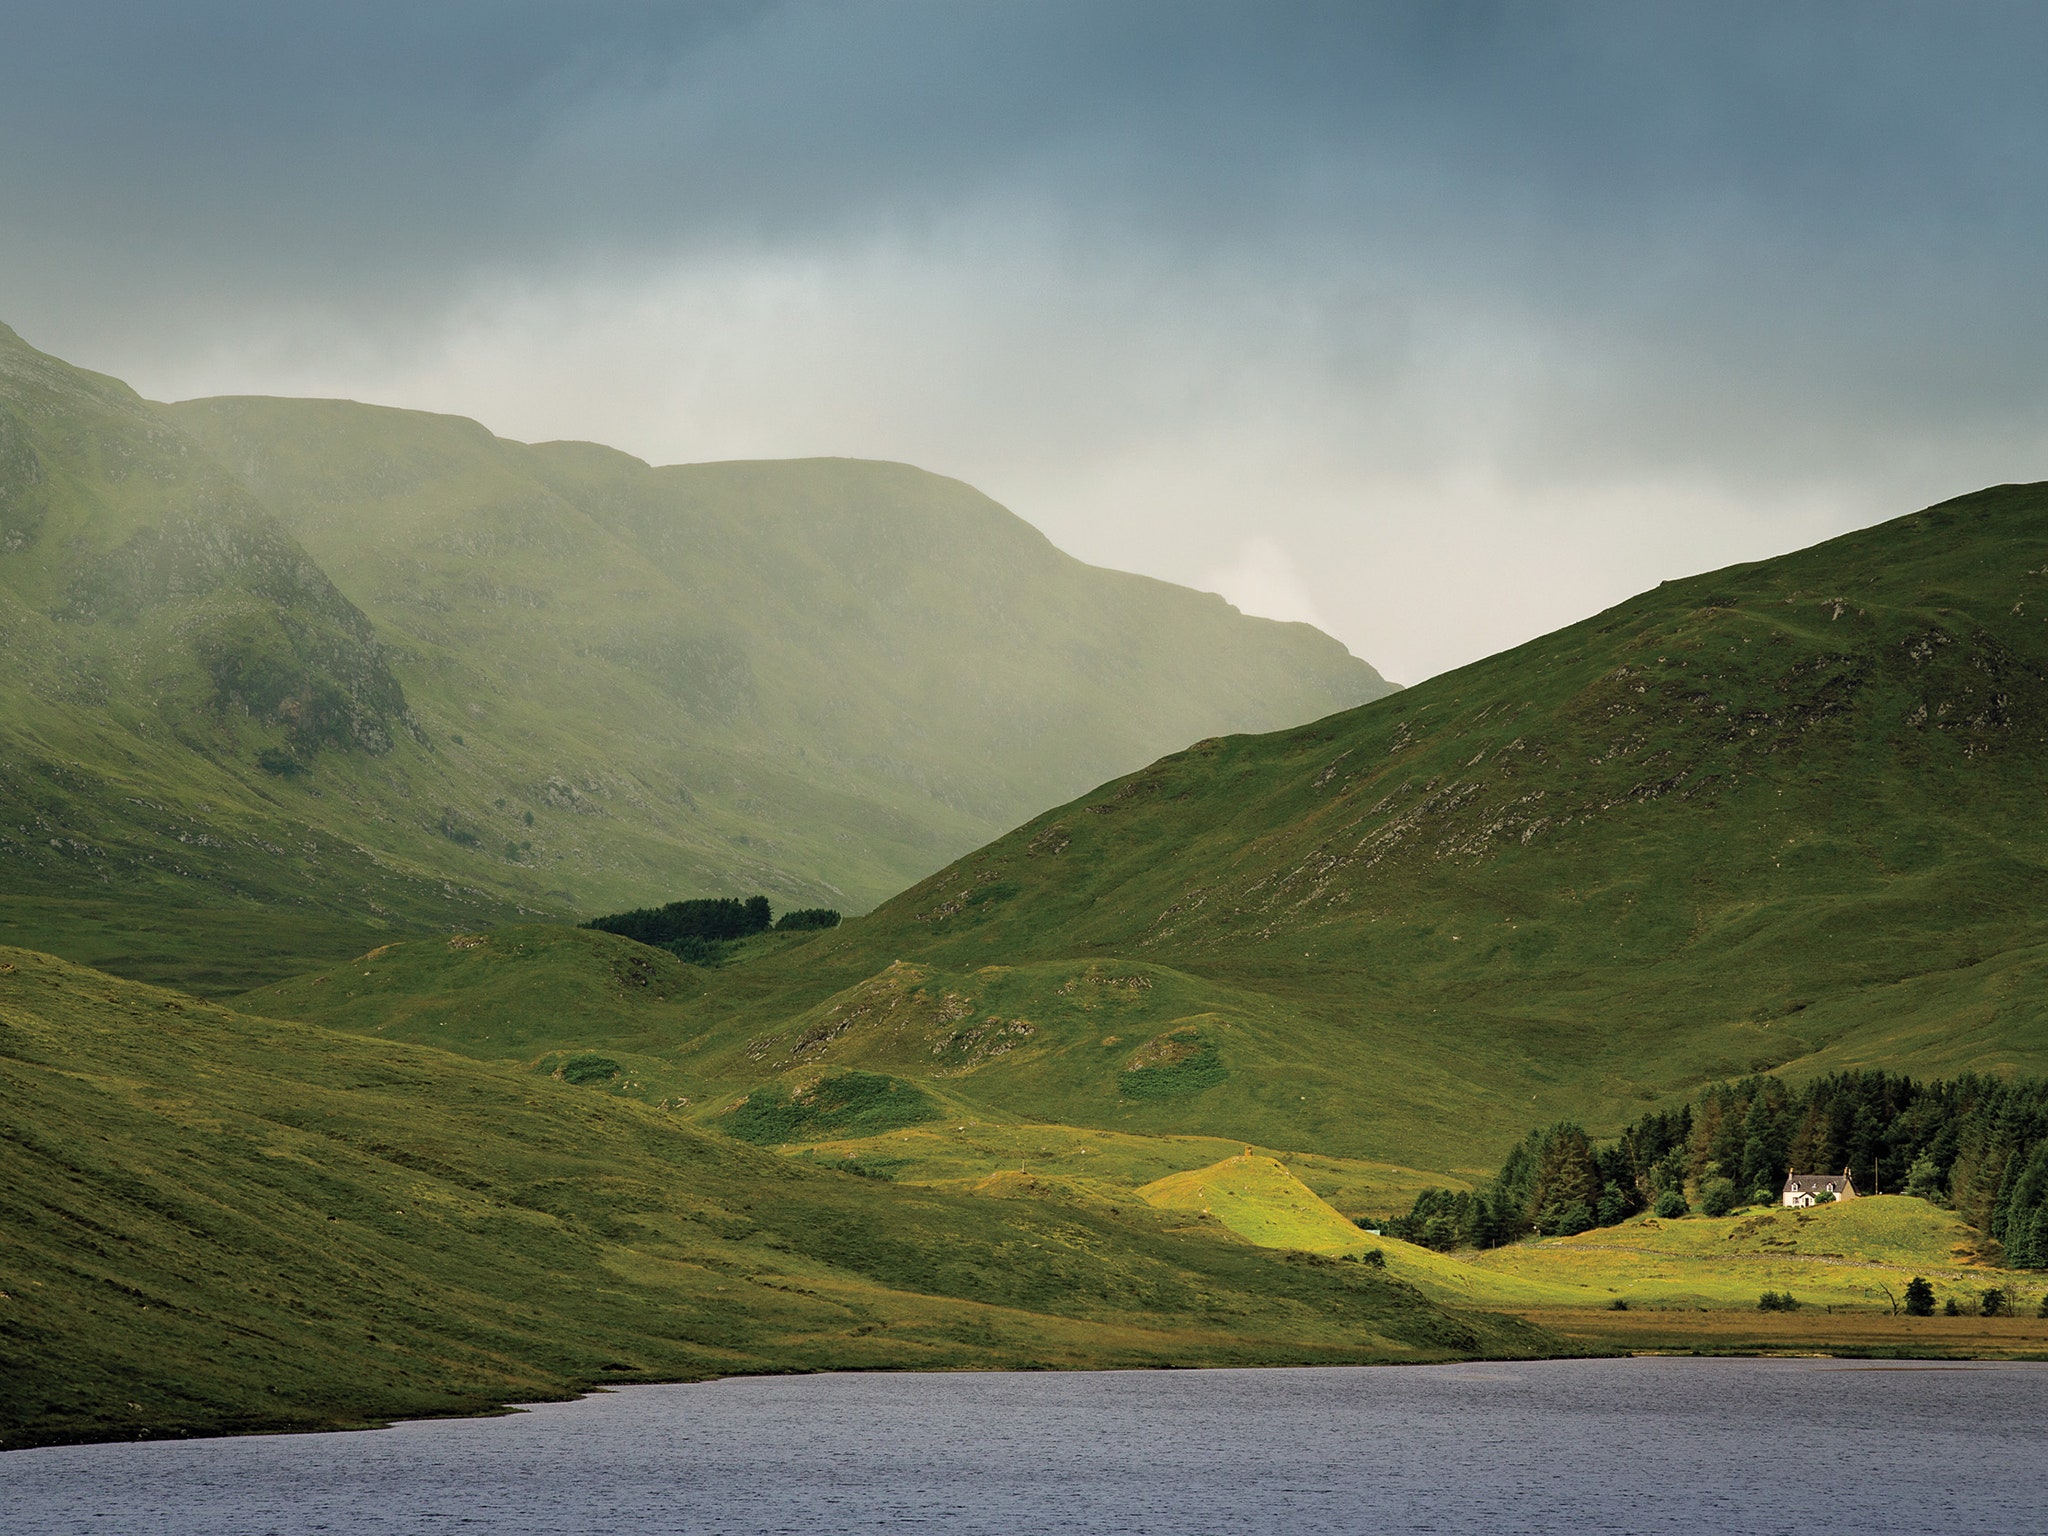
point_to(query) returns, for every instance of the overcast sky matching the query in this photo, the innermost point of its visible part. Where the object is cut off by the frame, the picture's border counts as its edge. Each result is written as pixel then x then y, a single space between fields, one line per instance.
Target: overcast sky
pixel 1436 324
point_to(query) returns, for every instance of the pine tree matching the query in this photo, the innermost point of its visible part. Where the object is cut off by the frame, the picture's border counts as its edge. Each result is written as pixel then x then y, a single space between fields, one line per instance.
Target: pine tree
pixel 1919 1298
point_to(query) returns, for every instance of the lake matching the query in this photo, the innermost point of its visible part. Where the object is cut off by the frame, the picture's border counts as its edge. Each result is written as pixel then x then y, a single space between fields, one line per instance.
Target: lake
pixel 1637 1446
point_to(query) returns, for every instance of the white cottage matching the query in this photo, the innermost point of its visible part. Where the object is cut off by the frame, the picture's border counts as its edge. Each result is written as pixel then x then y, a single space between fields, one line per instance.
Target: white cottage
pixel 1807 1188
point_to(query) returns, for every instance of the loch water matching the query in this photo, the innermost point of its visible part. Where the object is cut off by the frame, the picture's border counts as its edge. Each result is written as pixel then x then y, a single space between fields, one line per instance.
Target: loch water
pixel 1580 1447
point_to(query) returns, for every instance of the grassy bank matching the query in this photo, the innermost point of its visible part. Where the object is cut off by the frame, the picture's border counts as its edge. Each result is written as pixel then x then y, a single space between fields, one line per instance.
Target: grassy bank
pixel 220 1222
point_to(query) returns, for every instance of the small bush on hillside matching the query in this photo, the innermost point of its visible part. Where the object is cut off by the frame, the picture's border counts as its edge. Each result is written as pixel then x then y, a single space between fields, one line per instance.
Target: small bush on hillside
pixel 1619 1304
pixel 1994 1303
pixel 1777 1301
pixel 1919 1298
pixel 1179 1062
pixel 1670 1205
pixel 585 1070
pixel 805 919
pixel 1717 1197
pixel 1377 1258
pixel 1950 1308
pixel 882 1169
pixel 2043 1312
pixel 851 1104
pixel 456 828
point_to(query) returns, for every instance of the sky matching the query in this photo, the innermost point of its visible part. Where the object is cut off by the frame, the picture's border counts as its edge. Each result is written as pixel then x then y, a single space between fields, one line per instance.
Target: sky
pixel 1438 325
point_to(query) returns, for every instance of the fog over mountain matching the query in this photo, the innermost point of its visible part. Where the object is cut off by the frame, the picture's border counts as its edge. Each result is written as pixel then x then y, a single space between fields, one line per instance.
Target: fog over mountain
pixel 1435 324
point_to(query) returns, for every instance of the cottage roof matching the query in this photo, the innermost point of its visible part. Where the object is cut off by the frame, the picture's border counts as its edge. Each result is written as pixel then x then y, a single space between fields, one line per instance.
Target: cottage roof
pixel 1812 1183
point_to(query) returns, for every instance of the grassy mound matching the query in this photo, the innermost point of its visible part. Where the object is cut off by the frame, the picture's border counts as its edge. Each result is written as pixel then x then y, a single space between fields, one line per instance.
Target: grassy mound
pixel 1257 1198
pixel 847 1104
pixel 503 995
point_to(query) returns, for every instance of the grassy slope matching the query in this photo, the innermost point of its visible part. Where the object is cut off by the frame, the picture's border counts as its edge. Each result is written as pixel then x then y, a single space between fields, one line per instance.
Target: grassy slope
pixel 217 1221
pixel 821 678
pixel 544 679
pixel 1838 1257
pixel 163 631
pixel 1854 1256
pixel 1783 816
pixel 1260 1200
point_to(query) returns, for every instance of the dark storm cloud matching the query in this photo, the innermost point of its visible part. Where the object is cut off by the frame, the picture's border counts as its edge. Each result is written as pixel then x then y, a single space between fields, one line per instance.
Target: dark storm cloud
pixel 1728 250
pixel 258 138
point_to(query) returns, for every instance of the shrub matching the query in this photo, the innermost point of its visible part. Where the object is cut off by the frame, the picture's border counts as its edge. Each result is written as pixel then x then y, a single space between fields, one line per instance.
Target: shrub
pixel 1376 1257
pixel 1919 1298
pixel 880 1169
pixel 1179 1062
pixel 851 1104
pixel 1619 1304
pixel 585 1070
pixel 1994 1303
pixel 2043 1312
pixel 456 828
pixel 1777 1301
pixel 1717 1197
pixel 1670 1205
pixel 1949 1308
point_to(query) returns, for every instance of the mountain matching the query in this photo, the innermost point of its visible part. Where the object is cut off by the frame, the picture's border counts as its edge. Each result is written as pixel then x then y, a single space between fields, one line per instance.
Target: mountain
pixel 175 659
pixel 1785 817
pixel 1782 816
pixel 288 675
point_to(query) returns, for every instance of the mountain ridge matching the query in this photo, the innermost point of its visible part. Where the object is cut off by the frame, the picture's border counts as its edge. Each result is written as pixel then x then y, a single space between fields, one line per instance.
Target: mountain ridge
pixel 417 676
pixel 1780 817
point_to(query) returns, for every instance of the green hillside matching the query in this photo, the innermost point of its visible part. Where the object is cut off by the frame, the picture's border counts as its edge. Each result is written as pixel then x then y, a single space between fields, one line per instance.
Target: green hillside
pixel 921 667
pixel 1779 817
pixel 218 1222
pixel 310 672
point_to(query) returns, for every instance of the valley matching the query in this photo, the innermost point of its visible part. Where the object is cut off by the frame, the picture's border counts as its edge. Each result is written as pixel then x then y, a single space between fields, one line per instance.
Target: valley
pixel 322 671
pixel 324 724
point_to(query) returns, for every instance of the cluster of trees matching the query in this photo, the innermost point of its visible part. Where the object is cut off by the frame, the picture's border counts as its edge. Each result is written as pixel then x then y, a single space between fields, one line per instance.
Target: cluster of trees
pixel 806 919
pixel 1977 1144
pixel 697 930
pixel 1995 1302
pixel 1557 1183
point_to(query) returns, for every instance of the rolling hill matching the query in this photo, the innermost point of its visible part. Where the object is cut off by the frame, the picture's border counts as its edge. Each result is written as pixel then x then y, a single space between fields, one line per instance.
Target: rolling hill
pixel 1784 817
pixel 217 1222
pixel 288 676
